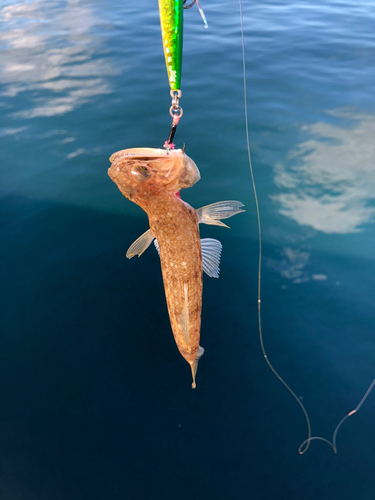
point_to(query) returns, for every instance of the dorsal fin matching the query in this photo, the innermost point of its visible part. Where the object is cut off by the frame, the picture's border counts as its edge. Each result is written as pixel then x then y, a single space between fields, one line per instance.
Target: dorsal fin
pixel 184 316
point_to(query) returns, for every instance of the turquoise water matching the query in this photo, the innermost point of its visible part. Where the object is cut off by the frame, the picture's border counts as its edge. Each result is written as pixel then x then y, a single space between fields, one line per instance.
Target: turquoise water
pixel 95 398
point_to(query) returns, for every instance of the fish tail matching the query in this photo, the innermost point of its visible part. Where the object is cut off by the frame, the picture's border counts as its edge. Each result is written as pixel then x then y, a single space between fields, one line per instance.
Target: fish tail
pixel 194 365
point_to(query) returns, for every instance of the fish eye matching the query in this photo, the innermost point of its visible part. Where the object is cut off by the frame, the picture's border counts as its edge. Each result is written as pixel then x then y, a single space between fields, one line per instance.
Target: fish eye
pixel 142 172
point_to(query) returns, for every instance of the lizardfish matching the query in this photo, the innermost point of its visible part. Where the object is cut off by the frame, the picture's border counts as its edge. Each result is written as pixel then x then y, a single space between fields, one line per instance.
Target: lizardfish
pixel 153 178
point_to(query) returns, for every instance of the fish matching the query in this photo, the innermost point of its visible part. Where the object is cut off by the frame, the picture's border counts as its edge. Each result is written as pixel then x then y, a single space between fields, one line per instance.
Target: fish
pixel 153 178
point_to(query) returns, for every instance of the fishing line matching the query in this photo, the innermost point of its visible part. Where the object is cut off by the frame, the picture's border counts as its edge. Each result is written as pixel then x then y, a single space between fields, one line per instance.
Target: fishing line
pixel 333 443
pixel 303 448
pixel 305 445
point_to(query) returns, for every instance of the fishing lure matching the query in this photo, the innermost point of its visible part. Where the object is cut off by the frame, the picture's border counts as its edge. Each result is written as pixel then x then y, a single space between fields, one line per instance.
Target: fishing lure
pixel 171 22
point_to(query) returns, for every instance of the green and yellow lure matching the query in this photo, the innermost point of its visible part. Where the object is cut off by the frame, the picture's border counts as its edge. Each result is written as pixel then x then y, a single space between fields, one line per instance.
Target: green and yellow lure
pixel 171 20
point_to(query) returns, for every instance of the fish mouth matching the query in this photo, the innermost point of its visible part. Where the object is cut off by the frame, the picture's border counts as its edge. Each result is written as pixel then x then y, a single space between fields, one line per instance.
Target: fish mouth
pixel 172 170
pixel 141 153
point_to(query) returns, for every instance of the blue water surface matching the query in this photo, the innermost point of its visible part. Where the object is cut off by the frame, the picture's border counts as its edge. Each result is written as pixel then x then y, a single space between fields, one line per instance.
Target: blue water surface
pixel 96 402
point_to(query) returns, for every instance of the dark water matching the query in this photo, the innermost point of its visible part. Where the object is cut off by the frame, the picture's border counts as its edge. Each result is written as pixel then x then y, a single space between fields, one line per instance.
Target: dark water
pixel 95 399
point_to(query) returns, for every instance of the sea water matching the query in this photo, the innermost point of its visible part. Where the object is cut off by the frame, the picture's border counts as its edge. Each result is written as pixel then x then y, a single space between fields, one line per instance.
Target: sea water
pixel 96 402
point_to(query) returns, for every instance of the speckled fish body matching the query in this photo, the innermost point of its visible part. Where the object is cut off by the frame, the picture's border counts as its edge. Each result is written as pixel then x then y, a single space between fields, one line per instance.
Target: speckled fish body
pixel 171 21
pixel 152 178
pixel 175 227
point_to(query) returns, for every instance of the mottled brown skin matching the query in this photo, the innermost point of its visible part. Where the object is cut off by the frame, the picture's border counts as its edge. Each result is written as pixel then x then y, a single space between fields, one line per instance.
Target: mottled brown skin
pixel 175 226
pixel 151 179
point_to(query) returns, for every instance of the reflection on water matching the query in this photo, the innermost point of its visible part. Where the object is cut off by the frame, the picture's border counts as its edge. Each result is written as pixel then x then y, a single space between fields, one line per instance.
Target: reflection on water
pixel 292 266
pixel 331 181
pixel 48 55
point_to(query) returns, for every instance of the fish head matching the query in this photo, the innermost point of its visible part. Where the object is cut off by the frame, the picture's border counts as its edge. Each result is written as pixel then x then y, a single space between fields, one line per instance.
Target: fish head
pixel 143 172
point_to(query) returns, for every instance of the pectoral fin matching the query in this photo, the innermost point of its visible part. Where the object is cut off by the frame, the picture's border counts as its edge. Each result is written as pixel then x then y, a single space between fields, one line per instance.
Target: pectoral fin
pixel 194 365
pixel 140 245
pixel 211 214
pixel 211 252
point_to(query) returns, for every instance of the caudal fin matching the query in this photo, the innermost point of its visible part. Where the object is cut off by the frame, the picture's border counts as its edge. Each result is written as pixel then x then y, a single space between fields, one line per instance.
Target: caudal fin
pixel 194 365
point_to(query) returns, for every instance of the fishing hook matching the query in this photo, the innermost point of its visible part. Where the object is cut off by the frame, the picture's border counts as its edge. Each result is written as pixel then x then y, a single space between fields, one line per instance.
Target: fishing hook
pixel 188 6
pixel 199 8
pixel 176 112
